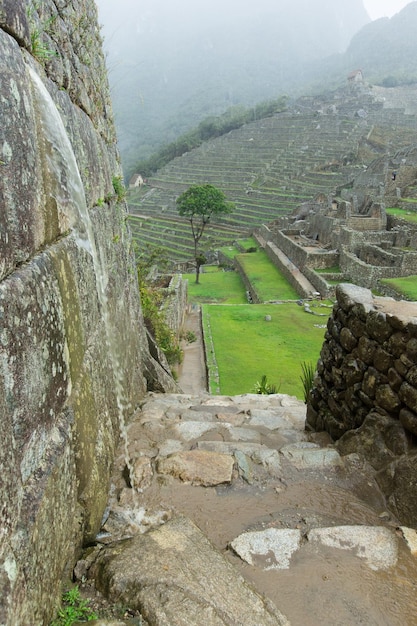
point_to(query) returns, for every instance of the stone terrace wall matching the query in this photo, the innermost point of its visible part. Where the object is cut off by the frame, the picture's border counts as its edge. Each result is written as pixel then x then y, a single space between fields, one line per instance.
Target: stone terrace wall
pixel 248 286
pixel 365 389
pixel 175 302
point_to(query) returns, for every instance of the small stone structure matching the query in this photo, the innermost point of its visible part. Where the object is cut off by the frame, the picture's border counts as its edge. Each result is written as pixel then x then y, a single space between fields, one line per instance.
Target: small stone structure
pixel 365 389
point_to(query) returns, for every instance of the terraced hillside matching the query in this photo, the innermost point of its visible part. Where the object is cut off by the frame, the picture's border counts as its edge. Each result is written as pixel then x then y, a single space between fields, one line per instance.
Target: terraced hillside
pixel 270 166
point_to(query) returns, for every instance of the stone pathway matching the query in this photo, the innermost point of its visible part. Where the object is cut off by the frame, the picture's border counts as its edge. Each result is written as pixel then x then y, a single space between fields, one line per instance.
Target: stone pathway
pixel 238 516
pixel 192 374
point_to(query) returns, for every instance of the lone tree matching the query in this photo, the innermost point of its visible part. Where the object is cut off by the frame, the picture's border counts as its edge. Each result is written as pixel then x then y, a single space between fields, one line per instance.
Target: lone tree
pixel 198 203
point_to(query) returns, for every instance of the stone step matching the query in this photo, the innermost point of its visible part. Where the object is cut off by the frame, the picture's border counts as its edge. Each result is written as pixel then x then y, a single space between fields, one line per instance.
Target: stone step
pixel 276 504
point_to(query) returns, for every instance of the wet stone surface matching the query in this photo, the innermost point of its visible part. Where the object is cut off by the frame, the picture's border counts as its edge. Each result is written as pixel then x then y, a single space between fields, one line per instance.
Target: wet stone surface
pixel 207 489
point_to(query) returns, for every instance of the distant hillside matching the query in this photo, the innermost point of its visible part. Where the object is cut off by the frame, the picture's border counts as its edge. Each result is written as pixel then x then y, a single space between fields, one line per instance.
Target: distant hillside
pixel 385 50
pixel 269 167
pixel 170 67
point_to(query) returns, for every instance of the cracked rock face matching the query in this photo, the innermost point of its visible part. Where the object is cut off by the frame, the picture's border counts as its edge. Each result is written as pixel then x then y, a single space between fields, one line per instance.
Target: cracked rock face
pixel 73 349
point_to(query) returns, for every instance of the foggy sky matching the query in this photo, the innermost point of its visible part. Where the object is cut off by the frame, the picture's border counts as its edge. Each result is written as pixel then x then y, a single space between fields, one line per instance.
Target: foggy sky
pixel 384 8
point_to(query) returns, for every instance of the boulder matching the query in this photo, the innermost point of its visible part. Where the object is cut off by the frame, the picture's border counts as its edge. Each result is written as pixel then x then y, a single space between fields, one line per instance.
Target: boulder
pixel 175 577
pixel 199 467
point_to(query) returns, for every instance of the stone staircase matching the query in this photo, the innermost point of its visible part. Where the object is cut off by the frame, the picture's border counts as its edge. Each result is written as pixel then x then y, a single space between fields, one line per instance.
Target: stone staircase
pixel 230 512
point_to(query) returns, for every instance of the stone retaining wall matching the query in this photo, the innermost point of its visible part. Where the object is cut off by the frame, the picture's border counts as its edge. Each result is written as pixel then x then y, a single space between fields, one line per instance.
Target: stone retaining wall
pixel 248 285
pixel 319 282
pixel 365 389
pixel 367 275
pixel 175 303
pixel 285 269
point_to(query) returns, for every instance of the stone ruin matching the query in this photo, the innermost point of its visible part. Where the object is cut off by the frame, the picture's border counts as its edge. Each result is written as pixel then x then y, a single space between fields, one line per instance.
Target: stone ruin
pixel 351 229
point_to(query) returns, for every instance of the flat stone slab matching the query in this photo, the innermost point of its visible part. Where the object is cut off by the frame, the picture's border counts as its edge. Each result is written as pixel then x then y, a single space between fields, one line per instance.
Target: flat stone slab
pixel 175 577
pixel 306 455
pixel 199 467
pixel 188 431
pixel 270 420
pixel 375 544
pixel 237 433
pixel 259 453
pixel 268 549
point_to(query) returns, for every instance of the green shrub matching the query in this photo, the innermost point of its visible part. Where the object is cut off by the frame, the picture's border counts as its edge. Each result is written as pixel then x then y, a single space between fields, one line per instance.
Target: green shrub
pixel 74 609
pixel 119 188
pixel 190 336
pixel 156 323
pixel 264 387
pixel 307 378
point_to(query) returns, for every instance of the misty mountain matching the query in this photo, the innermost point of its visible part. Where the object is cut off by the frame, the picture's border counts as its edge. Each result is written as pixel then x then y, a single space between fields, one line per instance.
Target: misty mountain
pixel 388 47
pixel 172 64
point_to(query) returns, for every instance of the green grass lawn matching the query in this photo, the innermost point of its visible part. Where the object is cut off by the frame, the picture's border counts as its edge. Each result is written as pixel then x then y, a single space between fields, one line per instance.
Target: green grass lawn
pixel 266 279
pixel 409 216
pixel 406 286
pixel 231 251
pixel 328 270
pixel 246 346
pixel 216 287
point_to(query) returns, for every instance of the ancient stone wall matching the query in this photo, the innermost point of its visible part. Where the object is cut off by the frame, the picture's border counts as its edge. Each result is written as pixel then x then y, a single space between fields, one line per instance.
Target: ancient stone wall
pixel 73 350
pixel 286 268
pixel 319 282
pixel 362 273
pixel 325 228
pixel 175 303
pixel 250 291
pixel 365 389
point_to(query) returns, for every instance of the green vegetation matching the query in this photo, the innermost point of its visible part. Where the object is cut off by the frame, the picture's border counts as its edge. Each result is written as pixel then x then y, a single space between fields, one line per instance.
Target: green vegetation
pixel 264 387
pixel 307 378
pixel 405 287
pixel 119 188
pixel 152 299
pixel 329 270
pixel 268 282
pixel 217 288
pixel 249 244
pixel 404 214
pixel 190 336
pixel 198 204
pixel 39 30
pixel 245 344
pixel 74 609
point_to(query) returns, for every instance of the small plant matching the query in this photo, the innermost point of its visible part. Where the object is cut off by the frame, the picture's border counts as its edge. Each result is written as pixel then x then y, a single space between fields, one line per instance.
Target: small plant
pixel 119 188
pixel 39 48
pixel 307 378
pixel 264 387
pixel 190 336
pixel 74 609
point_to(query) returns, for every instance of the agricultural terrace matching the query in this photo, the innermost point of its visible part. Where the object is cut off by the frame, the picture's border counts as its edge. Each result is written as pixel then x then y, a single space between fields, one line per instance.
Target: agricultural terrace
pixel 267 168
pixel 246 341
pixel 403 213
pixel 406 287
pixel 266 280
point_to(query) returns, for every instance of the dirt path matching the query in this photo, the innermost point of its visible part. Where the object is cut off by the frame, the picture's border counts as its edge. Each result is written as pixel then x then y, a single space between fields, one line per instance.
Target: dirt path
pixel 192 373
